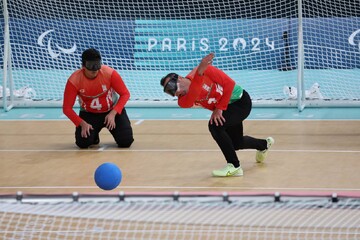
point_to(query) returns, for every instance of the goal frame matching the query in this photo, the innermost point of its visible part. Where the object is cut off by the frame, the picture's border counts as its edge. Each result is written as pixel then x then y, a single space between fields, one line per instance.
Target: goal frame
pixel 9 102
pixel 7 69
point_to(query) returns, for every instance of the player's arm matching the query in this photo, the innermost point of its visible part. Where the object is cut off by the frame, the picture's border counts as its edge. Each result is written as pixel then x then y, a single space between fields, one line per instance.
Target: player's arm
pixel 189 99
pixel 205 62
pixel 225 82
pixel 70 94
pixel 120 88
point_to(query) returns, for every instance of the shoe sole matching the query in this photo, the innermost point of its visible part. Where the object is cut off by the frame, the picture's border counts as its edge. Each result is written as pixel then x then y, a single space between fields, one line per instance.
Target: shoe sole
pixel 238 175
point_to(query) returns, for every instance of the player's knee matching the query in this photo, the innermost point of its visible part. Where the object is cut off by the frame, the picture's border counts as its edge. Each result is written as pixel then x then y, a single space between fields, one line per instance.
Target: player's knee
pixel 83 144
pixel 211 127
pixel 214 130
pixel 124 138
pixel 125 142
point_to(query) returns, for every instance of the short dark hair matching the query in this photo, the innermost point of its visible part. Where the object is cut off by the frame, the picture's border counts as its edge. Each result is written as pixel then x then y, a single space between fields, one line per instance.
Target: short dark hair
pixel 170 75
pixel 90 54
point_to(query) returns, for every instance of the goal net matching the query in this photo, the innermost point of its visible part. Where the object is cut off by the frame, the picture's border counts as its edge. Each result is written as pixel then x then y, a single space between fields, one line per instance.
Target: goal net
pixel 187 217
pixel 276 50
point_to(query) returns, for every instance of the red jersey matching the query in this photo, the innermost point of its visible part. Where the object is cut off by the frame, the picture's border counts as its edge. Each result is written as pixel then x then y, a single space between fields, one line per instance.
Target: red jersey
pixel 94 95
pixel 211 90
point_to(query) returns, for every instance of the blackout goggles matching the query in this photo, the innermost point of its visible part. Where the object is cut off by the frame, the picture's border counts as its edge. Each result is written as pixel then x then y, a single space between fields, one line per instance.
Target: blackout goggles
pixel 93 65
pixel 171 86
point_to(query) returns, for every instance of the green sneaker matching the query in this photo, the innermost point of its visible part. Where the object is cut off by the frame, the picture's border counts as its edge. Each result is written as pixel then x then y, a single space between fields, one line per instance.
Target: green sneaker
pixel 228 171
pixel 261 155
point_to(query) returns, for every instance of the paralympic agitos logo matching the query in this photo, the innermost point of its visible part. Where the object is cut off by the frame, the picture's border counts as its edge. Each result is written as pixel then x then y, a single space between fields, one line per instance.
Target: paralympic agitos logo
pixel 49 44
pixel 352 38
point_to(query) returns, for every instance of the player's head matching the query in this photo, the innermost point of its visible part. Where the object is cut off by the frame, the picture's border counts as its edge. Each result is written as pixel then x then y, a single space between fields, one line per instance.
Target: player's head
pixel 169 82
pixel 91 59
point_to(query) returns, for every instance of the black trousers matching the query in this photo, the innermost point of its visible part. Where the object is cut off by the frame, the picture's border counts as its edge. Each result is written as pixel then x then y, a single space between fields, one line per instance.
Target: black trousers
pixel 122 133
pixel 230 136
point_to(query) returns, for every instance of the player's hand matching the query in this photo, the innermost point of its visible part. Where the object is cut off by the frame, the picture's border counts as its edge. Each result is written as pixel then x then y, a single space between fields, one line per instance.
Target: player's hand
pixel 217 117
pixel 85 129
pixel 110 120
pixel 205 62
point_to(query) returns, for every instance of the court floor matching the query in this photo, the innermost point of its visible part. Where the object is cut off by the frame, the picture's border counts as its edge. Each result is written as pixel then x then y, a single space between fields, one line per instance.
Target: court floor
pixel 309 155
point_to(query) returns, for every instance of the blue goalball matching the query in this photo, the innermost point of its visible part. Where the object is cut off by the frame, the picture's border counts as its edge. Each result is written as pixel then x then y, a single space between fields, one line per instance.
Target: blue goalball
pixel 108 176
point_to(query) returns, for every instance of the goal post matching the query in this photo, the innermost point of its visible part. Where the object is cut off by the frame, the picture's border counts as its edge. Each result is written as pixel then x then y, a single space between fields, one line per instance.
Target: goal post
pixel 7 69
pixel 257 43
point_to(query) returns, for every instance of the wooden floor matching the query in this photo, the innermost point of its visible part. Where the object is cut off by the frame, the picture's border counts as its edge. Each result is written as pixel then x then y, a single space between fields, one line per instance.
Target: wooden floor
pixel 168 156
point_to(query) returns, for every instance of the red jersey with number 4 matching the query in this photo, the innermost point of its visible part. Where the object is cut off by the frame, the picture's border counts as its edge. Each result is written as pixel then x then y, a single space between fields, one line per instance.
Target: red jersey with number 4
pixel 211 90
pixel 94 95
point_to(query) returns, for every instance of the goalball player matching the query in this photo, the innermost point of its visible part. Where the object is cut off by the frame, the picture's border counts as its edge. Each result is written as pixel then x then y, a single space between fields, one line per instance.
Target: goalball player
pixel 97 86
pixel 210 88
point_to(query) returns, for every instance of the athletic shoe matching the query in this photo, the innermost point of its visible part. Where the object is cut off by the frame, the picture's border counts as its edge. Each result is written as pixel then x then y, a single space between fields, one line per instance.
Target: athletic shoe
pixel 261 155
pixel 228 171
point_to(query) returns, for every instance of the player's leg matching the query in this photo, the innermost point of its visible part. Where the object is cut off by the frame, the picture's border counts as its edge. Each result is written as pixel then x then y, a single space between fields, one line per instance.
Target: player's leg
pixel 236 113
pixel 226 146
pixel 123 133
pixel 96 121
pixel 229 136
pixel 244 142
pixel 239 111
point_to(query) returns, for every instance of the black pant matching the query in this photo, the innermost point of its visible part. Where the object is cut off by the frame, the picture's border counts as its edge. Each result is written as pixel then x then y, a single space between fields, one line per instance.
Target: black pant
pixel 122 133
pixel 230 136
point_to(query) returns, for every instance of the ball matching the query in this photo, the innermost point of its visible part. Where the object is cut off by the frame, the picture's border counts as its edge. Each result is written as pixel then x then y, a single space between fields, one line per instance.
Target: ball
pixel 108 176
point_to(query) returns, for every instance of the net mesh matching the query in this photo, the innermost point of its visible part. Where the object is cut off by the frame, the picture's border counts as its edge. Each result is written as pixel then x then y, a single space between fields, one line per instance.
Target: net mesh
pixel 193 217
pixel 255 42
pixel 332 47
